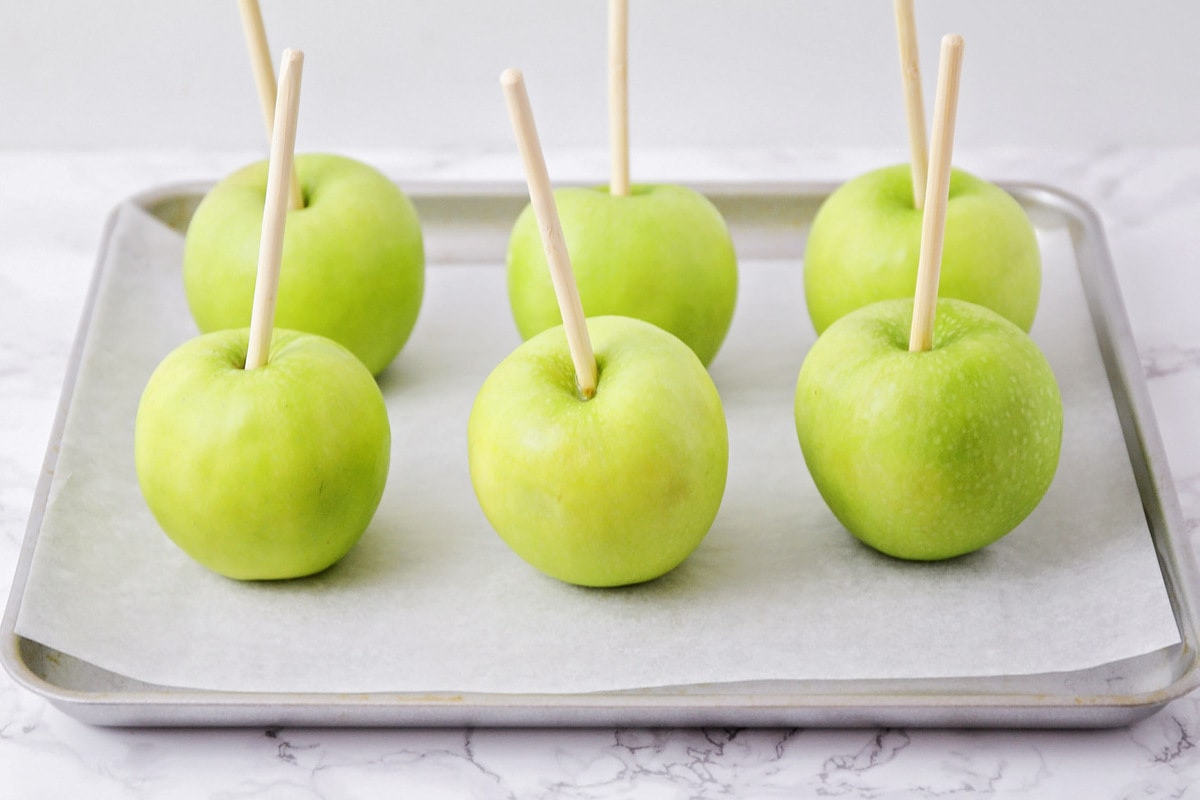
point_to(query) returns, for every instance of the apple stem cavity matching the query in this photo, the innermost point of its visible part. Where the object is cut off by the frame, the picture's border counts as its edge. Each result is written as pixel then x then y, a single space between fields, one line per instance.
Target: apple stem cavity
pixel 541 196
pixel 279 169
pixel 914 103
pixel 937 193
pixel 618 96
pixel 264 79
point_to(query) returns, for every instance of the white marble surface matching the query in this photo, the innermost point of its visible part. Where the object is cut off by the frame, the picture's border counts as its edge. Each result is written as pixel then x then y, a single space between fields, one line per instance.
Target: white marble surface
pixel 52 209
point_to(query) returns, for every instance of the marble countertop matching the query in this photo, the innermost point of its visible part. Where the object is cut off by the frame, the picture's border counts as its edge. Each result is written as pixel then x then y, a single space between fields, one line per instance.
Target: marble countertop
pixel 52 210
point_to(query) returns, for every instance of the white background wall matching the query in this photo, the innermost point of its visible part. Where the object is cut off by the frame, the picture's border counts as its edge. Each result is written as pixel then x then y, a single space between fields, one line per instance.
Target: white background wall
pixel 747 73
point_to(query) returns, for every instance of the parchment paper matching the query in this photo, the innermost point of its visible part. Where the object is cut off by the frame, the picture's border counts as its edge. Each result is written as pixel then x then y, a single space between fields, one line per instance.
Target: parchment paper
pixel 432 600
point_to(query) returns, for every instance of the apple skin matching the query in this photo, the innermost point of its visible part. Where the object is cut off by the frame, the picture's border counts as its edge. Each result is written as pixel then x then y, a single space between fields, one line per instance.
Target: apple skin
pixel 614 490
pixel 661 254
pixel 353 257
pixel 929 455
pixel 268 473
pixel 865 242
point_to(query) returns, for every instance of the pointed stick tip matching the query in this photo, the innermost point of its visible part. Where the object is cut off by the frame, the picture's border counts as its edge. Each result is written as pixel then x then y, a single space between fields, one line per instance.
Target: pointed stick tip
pixel 510 77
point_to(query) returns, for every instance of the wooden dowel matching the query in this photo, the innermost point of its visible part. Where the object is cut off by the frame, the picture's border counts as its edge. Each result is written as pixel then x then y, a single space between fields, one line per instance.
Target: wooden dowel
pixel 541 196
pixel 618 96
pixel 270 250
pixel 914 103
pixel 937 193
pixel 264 80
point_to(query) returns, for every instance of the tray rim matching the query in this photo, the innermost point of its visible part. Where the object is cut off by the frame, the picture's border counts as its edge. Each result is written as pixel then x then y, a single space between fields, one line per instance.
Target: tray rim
pixel 921 706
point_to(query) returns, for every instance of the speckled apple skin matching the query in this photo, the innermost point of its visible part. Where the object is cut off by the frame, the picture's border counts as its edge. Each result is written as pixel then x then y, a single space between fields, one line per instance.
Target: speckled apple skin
pixel 935 454
pixel 353 258
pixel 662 254
pixel 268 473
pixel 865 242
pixel 614 490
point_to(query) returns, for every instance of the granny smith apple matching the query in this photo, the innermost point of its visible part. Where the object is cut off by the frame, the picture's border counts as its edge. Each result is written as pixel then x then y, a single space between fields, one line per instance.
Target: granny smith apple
pixel 662 254
pixel 267 473
pixel 928 455
pixel 353 257
pixel 612 490
pixel 865 242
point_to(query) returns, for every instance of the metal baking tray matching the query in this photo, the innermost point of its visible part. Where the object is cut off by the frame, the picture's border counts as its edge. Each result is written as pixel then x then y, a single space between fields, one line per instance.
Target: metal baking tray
pixel 470 223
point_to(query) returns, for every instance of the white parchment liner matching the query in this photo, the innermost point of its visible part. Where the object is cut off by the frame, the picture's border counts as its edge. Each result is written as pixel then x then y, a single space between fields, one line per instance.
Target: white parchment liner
pixel 432 600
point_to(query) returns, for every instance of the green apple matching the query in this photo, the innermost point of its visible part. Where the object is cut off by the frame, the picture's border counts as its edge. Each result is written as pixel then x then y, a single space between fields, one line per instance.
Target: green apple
pixel 613 490
pixel 353 257
pixel 928 455
pixel 661 254
pixel 266 473
pixel 866 239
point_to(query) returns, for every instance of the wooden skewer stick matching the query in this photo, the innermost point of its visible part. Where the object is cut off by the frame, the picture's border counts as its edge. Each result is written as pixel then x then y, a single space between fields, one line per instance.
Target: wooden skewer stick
pixel 264 79
pixel 914 104
pixel 270 250
pixel 541 196
pixel 937 193
pixel 618 96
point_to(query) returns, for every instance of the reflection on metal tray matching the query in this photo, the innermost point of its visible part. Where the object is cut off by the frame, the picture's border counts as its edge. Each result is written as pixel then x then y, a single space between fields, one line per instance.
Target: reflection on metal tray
pixel 470 223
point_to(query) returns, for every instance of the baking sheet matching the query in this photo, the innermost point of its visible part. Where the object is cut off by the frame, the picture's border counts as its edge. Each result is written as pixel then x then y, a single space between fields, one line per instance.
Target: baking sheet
pixel 431 600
